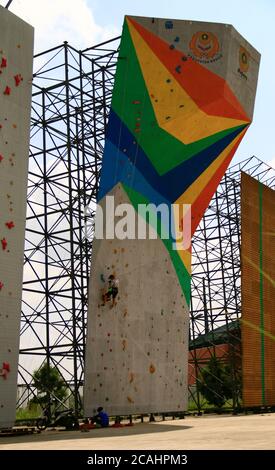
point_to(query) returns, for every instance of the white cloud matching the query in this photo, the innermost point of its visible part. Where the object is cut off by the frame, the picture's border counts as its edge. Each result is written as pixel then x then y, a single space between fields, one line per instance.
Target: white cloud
pixel 56 21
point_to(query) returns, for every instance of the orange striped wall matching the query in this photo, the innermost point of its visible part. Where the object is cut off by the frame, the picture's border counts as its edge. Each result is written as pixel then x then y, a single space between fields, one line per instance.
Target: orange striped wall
pixel 258 292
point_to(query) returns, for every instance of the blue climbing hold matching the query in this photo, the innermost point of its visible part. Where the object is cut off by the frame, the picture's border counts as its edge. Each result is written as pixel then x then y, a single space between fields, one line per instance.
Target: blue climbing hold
pixel 169 24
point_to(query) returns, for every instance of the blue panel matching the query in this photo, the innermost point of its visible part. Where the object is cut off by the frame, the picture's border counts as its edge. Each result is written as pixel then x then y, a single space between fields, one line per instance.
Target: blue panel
pixel 171 185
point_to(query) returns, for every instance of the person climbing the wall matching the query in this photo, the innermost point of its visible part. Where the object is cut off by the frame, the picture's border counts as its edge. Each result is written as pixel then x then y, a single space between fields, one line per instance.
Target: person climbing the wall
pixel 112 290
pixel 101 419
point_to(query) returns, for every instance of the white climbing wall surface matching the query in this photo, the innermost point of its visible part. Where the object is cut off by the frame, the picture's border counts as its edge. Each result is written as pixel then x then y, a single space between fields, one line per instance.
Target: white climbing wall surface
pixel 16 56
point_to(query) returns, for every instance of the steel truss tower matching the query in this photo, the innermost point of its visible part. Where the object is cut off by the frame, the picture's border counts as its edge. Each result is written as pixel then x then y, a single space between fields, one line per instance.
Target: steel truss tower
pixel 216 280
pixel 71 98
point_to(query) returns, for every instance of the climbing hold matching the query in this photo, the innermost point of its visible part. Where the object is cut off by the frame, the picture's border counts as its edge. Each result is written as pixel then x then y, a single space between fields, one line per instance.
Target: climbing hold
pixel 171 46
pixel 18 79
pixel 124 342
pixel 177 39
pixel 178 68
pixel 169 24
pixel 136 102
pixel 1 158
pixel 7 90
pixel 1 285
pixel 131 377
pixel 130 400
pixel 3 62
pixel 152 369
pixel 5 370
pixel 4 243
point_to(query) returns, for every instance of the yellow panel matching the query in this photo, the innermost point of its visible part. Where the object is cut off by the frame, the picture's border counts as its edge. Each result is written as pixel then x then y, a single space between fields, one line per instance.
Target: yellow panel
pixel 192 193
pixel 172 108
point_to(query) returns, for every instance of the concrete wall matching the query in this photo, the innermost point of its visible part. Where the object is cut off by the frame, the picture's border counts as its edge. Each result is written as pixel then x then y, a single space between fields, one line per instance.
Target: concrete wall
pixel 16 52
pixel 179 111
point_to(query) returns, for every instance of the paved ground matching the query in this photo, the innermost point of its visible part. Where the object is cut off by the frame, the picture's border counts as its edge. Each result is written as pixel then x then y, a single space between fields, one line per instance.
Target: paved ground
pixel 207 432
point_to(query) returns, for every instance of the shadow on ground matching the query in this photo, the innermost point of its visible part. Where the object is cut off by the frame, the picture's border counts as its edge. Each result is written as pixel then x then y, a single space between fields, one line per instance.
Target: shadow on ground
pixel 54 435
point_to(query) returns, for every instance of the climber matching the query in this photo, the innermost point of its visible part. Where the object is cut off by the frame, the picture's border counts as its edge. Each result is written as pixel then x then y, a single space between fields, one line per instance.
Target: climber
pixel 112 290
pixel 101 419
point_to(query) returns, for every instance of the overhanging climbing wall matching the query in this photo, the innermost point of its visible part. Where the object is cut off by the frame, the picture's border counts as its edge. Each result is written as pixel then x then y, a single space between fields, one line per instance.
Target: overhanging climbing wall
pixel 258 292
pixel 16 51
pixel 183 98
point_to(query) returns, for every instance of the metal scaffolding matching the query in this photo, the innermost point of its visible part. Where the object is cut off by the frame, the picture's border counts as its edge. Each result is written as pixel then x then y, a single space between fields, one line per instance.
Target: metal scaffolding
pixel 71 99
pixel 216 281
pixel 71 96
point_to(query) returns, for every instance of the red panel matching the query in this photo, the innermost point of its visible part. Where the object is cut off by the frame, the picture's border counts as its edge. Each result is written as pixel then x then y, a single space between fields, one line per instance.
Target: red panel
pixel 209 91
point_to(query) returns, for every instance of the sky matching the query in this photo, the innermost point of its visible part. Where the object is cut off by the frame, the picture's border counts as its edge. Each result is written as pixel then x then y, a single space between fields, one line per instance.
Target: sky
pixel 85 22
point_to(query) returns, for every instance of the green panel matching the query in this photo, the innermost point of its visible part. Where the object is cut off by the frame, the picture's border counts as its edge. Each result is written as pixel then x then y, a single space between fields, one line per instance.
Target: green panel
pixel 181 271
pixel 129 88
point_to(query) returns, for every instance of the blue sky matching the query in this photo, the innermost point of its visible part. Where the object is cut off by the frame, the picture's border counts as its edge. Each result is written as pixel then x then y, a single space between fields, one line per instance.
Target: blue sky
pixel 85 22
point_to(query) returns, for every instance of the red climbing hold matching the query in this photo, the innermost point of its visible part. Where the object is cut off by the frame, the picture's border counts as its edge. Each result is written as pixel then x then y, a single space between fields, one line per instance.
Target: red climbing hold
pixel 4 243
pixel 136 102
pixel 10 225
pixel 6 366
pixel 5 370
pixel 7 90
pixel 3 62
pixel 18 79
pixel 1 158
pixel 1 285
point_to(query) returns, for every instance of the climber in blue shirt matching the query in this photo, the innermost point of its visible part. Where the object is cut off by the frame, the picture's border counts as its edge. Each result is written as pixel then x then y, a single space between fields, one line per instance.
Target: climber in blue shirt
pixel 101 418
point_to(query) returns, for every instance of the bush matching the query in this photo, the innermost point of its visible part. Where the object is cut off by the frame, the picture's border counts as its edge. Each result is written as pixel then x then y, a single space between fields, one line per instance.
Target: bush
pixel 48 381
pixel 215 383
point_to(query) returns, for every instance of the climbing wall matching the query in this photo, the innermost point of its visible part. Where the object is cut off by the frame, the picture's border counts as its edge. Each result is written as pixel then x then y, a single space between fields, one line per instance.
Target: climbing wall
pixel 16 51
pixel 258 292
pixel 182 101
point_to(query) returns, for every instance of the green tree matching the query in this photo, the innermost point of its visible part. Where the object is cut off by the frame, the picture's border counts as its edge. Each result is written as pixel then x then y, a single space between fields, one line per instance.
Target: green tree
pixel 49 383
pixel 215 383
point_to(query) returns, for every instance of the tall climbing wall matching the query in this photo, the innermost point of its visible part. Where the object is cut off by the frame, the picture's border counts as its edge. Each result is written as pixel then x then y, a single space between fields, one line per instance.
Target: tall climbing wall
pixel 258 292
pixel 182 101
pixel 16 52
